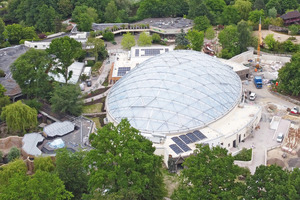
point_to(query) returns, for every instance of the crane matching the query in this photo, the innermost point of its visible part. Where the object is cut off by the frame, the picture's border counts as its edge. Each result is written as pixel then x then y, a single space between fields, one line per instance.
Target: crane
pixel 259 43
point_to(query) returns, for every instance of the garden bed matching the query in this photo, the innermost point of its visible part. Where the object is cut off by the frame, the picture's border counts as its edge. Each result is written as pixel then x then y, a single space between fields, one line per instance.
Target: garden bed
pixel 244 155
pixel 93 108
pixel 96 92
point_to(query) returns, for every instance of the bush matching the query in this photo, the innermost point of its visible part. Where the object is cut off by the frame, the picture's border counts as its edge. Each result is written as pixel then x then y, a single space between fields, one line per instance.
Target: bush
pixel 2 73
pixel 14 153
pixel 244 155
pixel 156 38
pixel 108 36
pixel 33 103
pixel 90 63
pixel 114 42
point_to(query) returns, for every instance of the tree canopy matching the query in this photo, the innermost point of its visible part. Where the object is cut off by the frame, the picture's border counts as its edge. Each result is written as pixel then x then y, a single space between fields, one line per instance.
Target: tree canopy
pixel 289 76
pixel 65 50
pixel 144 39
pixel 30 72
pixel 209 174
pixel 65 99
pixel 128 41
pixel 122 163
pixel 19 117
pixel 196 39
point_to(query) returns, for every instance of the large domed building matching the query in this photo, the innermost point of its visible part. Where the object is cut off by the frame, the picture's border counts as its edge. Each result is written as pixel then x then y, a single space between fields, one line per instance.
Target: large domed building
pixel 181 98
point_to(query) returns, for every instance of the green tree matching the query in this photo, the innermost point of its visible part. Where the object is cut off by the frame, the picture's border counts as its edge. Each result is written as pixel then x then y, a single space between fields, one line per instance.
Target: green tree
pixel 122 163
pixel 98 48
pixel 196 39
pixel 201 23
pixel 229 39
pixel 65 99
pixel 181 41
pixel 209 174
pixel 272 12
pixel 128 41
pixel 259 5
pixel 270 41
pixel 243 7
pixel 244 35
pixel 13 33
pixel 70 169
pixel 19 117
pixel 65 50
pixel 294 29
pixel 46 19
pixel 85 22
pixel 17 166
pixel 274 4
pixel 230 15
pixel 156 38
pixel 43 164
pixel 108 36
pixel 210 33
pixel 4 100
pixel 30 72
pixel 288 76
pixel 270 182
pixel 65 7
pixel 144 39
pixel 111 12
pixel 48 185
pixel 2 28
pixel 14 153
pixel 77 12
pixel 255 15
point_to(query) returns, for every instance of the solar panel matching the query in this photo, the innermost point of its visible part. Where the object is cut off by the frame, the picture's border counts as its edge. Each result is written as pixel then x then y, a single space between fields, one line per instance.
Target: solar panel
pixel 199 135
pixel 151 52
pixel 185 139
pixel 137 52
pixel 181 144
pixel 175 148
pixel 192 137
pixel 123 70
pixel 166 50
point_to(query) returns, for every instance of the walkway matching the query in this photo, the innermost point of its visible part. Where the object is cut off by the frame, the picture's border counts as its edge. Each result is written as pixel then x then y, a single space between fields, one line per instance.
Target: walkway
pixel 99 96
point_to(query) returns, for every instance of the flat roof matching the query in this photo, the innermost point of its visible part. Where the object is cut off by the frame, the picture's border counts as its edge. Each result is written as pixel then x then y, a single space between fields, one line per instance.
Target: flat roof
pixel 30 141
pixel 130 59
pixel 225 127
pixel 168 23
pixel 235 65
pixel 76 67
pixel 59 128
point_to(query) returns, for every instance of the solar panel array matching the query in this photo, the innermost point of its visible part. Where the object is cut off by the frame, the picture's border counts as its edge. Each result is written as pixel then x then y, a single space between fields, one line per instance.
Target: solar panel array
pixel 123 70
pixel 137 52
pixel 175 148
pixel 166 50
pixel 181 144
pixel 186 139
pixel 151 52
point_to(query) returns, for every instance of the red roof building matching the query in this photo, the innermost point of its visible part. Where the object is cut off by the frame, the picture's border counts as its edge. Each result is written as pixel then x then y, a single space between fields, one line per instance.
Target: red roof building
pixel 291 18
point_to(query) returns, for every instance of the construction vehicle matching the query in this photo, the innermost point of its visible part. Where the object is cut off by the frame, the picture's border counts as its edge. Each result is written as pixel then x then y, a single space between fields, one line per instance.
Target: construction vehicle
pixel 258 82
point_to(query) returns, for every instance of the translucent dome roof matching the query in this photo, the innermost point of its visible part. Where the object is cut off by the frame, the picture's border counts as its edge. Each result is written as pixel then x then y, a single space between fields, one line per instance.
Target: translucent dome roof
pixel 175 92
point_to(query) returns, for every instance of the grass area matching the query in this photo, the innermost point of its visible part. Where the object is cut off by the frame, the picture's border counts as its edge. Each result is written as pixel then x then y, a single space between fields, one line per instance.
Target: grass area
pixel 97 122
pixel 95 108
pixel 244 155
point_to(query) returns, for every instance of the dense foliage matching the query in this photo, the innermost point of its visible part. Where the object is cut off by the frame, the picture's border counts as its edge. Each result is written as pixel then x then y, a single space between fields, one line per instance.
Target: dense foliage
pixel 122 163
pixel 244 155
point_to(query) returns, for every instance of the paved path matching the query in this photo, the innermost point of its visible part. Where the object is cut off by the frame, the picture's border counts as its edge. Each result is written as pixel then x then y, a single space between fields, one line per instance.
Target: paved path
pixel 99 96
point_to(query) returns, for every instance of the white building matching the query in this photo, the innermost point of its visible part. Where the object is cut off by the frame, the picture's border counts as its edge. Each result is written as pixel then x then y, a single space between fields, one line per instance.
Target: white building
pixel 182 98
pixel 76 67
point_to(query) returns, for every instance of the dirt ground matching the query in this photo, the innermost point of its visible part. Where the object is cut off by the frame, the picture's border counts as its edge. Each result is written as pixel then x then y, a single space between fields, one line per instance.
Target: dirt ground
pixel 277 36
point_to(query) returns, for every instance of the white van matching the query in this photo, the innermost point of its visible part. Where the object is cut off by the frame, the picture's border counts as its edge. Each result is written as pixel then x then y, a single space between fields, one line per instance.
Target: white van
pixel 280 137
pixel 252 96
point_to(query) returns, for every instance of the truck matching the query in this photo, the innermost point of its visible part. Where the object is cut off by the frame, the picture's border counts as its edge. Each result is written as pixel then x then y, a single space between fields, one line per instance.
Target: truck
pixel 258 82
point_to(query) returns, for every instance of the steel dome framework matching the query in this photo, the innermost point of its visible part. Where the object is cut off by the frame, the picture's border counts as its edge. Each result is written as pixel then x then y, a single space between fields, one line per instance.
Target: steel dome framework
pixel 175 92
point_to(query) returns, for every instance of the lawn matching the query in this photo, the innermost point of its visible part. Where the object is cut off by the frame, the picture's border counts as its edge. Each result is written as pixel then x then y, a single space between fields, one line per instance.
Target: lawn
pixel 95 108
pixel 97 122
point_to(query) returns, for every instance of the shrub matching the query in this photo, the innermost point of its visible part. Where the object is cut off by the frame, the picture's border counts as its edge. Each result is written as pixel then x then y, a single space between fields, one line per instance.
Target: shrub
pixel 33 103
pixel 14 153
pixel 108 36
pixel 244 155
pixel 1 157
pixel 156 38
pixel 42 36
pixel 2 73
pixel 90 63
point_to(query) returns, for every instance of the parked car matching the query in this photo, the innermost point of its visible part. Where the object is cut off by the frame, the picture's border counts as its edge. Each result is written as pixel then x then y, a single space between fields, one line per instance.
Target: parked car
pixel 89 83
pixel 295 111
pixel 280 137
pixel 252 96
